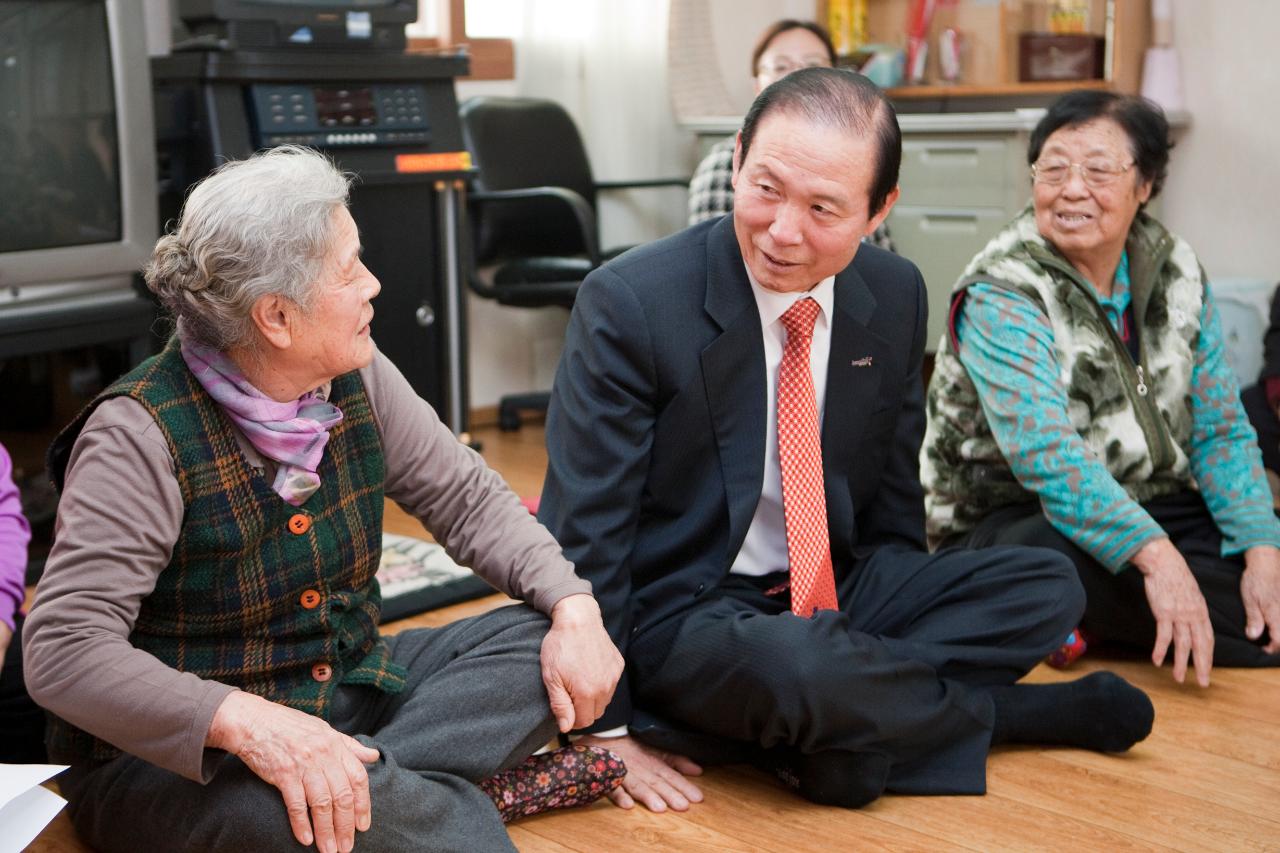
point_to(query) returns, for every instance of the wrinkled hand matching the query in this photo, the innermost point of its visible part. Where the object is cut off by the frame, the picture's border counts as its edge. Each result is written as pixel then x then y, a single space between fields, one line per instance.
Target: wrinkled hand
pixel 1182 617
pixel 656 779
pixel 318 770
pixel 1260 591
pixel 580 664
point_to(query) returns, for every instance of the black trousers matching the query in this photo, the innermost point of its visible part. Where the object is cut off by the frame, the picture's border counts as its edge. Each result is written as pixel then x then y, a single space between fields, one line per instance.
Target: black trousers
pixel 899 672
pixel 1117 611
pixel 21 720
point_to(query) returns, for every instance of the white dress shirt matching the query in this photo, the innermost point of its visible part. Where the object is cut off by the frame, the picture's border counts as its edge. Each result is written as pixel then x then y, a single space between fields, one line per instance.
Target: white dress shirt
pixel 765 548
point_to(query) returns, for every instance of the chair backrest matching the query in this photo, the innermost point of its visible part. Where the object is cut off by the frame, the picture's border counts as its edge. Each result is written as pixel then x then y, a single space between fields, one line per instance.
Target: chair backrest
pixel 517 143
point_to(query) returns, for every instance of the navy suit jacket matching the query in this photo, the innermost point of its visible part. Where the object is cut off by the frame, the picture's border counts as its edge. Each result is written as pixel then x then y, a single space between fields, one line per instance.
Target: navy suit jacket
pixel 656 428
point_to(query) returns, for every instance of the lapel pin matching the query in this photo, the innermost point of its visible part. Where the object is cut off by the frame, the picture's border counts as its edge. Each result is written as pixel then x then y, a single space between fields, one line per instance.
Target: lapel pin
pixel 865 361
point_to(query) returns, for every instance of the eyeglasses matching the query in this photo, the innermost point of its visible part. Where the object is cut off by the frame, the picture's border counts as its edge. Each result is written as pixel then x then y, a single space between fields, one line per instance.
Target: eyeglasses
pixel 1095 173
pixel 781 66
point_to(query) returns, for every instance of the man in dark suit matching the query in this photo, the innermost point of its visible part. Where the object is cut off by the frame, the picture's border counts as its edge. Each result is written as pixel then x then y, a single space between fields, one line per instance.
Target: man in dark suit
pixel 766 590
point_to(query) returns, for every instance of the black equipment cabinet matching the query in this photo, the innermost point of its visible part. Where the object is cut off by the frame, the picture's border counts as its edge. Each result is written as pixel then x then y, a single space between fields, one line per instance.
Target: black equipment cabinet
pixel 392 120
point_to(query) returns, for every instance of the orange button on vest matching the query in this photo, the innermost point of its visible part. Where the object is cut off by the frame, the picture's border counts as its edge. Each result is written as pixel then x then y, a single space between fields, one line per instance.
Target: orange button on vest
pixel 310 599
pixel 299 524
pixel 322 672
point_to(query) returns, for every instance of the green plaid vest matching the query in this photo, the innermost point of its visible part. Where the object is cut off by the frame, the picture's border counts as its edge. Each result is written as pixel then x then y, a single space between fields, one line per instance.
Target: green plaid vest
pixel 1136 424
pixel 274 599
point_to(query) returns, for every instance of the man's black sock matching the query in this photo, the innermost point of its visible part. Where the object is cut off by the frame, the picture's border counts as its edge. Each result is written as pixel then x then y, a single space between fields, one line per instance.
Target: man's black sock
pixel 1100 711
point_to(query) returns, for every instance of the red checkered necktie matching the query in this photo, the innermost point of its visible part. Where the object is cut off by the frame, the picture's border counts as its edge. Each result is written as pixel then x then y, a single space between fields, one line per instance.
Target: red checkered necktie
pixel 813 584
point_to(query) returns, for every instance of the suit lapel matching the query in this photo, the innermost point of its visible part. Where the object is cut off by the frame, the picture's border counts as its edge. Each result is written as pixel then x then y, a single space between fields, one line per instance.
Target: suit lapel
pixel 857 361
pixel 733 373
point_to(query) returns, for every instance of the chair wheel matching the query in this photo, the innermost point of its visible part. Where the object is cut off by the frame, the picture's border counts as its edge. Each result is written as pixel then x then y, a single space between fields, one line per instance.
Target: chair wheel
pixel 508 418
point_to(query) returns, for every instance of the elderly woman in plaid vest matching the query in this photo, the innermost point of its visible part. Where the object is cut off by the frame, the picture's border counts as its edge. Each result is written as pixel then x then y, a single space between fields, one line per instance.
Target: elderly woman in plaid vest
pixel 205 635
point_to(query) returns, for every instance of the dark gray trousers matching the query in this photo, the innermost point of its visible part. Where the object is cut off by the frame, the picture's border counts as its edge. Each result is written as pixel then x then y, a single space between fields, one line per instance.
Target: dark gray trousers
pixel 474 704
pixel 899 672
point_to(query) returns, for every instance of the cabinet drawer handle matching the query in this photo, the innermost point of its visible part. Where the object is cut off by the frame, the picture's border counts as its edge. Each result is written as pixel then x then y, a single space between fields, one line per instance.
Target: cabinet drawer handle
pixel 950 156
pixel 950 223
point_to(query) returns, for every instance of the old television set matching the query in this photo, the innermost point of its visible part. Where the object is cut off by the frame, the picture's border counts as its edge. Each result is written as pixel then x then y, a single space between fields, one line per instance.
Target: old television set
pixel 302 24
pixel 78 207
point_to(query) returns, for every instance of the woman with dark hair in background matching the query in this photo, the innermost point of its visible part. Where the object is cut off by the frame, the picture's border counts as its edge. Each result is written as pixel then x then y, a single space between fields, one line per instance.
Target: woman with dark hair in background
pixel 1082 401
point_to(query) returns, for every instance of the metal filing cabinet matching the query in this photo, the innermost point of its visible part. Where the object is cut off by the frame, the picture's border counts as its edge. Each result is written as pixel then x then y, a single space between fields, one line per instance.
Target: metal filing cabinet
pixel 958 191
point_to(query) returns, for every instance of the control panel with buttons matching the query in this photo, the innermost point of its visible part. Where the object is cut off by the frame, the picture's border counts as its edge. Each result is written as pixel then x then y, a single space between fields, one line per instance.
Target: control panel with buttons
pixel 340 116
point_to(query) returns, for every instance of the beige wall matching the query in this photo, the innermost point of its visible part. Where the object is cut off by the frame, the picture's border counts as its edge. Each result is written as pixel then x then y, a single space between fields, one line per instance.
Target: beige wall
pixel 1223 192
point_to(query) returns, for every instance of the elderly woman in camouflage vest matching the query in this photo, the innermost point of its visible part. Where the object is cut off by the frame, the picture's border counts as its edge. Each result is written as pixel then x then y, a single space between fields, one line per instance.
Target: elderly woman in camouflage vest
pixel 205 634
pixel 1082 401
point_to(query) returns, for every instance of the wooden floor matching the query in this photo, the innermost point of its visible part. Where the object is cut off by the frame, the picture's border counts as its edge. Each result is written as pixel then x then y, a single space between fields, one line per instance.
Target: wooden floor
pixel 1208 778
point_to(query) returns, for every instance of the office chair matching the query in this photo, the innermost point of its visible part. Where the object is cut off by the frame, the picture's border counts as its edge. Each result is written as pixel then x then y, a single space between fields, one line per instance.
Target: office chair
pixel 532 212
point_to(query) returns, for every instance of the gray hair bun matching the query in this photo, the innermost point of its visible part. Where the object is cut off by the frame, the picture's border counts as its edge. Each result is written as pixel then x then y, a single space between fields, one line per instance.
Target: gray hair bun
pixel 253 228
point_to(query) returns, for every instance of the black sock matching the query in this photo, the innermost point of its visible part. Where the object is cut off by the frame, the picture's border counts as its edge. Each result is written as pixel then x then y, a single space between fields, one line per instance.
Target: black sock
pixel 1100 711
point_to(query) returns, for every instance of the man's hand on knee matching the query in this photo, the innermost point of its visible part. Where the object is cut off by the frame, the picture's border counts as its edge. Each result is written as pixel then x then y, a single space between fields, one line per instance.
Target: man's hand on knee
pixel 319 771
pixel 654 779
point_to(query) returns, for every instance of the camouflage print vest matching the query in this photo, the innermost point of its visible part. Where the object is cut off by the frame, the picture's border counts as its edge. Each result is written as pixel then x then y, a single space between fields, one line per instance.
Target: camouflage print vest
pixel 1134 418
pixel 274 599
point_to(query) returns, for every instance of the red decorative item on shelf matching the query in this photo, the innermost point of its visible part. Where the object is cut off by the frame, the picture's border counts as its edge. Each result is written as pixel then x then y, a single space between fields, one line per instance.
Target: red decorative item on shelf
pixel 919 18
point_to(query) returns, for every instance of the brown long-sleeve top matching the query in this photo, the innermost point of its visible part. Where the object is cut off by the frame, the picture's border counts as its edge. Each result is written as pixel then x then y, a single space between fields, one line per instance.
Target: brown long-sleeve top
pixel 120 516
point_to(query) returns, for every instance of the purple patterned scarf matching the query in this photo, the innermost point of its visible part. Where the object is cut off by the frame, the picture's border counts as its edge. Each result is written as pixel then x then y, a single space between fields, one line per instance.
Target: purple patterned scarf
pixel 293 434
